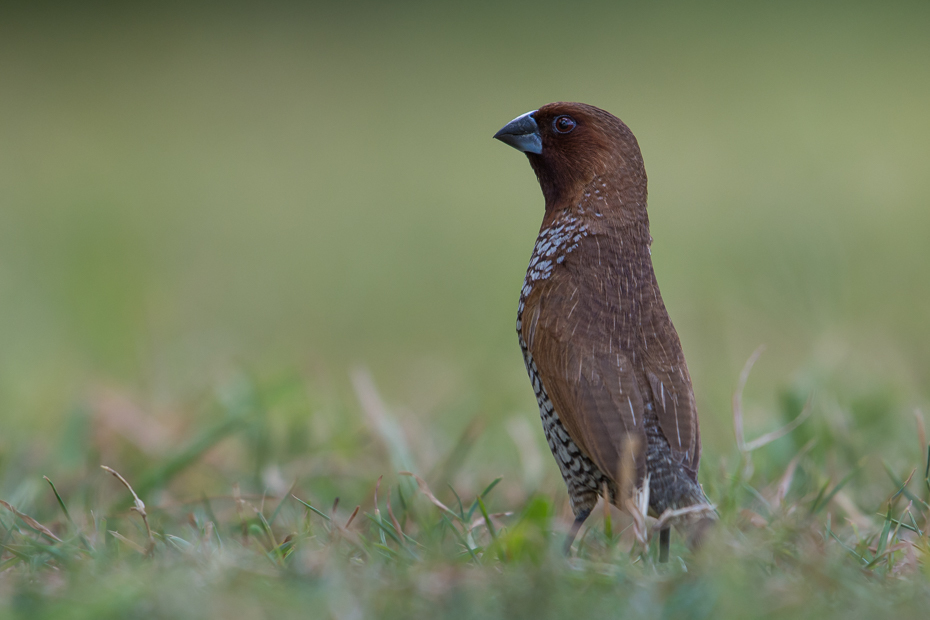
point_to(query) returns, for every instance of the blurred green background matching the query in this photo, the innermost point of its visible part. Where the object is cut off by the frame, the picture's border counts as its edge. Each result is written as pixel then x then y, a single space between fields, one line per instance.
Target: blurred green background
pixel 190 195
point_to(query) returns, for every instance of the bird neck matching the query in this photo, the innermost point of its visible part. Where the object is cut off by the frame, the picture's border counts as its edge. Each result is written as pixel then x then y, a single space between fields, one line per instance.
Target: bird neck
pixel 606 200
pixel 608 207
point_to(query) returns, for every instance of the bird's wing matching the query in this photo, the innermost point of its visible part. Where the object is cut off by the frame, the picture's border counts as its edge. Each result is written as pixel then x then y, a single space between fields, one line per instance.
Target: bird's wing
pixel 594 391
pixel 673 399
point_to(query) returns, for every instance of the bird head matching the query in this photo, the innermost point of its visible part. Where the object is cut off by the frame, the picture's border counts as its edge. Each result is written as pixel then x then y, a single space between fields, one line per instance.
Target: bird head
pixel 573 145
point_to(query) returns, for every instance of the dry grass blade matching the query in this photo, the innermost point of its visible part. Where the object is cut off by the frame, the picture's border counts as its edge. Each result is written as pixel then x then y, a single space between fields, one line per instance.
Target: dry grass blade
pixel 781 491
pixel 352 516
pixel 31 522
pixel 907 481
pixel 738 396
pixel 754 518
pixel 127 542
pixel 670 517
pixel 394 521
pixel 139 507
pixel 488 521
pixel 626 474
pixel 377 487
pixel 638 506
pixel 608 526
pixel 784 430
pixel 338 531
pixel 643 496
pixel 424 489
pixel 853 514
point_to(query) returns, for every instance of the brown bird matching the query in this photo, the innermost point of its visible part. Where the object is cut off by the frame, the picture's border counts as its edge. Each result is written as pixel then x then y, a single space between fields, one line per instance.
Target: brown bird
pixel 601 352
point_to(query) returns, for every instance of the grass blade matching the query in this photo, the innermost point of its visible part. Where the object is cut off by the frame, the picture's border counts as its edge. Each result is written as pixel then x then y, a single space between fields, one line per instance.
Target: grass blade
pixel 61 502
pixel 886 528
pixel 820 504
pixel 308 506
pixel 384 528
pixel 274 515
pixel 64 509
pixel 487 518
pixel 459 500
pixel 484 493
pixel 902 487
pixel 31 523
pixel 844 545
pixel 462 540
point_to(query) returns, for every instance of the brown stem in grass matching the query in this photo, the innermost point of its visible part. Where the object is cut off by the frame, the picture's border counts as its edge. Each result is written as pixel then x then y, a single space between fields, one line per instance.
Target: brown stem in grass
pixel 738 397
pixel 394 521
pixel 138 507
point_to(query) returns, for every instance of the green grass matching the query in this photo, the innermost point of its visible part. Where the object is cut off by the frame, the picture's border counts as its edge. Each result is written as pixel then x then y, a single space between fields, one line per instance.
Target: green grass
pixel 277 251
pixel 795 543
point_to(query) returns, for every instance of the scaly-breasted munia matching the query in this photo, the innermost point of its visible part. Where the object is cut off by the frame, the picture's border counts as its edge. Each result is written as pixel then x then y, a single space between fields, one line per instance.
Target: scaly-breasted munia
pixel 602 354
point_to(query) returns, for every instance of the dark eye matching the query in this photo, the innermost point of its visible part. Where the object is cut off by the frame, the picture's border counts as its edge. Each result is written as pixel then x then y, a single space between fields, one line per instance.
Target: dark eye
pixel 564 124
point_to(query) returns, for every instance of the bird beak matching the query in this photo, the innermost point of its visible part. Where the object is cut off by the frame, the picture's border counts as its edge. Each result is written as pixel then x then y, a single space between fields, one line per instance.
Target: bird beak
pixel 522 133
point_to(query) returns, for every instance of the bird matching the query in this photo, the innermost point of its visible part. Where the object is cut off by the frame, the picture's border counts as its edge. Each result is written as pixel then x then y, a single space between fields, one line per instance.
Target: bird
pixel 601 352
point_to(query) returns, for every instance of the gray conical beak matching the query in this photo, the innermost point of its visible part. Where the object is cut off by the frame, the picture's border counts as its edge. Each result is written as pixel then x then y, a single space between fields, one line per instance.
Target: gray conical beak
pixel 522 133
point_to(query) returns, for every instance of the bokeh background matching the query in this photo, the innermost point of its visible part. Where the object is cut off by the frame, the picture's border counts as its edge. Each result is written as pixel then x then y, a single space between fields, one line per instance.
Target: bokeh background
pixel 196 199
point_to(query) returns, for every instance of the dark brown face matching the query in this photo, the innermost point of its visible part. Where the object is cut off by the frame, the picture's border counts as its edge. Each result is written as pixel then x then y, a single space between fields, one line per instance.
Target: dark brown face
pixel 568 144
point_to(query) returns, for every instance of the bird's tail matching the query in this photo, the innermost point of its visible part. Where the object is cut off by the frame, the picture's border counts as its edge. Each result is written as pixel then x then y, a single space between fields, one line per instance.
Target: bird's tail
pixel 678 492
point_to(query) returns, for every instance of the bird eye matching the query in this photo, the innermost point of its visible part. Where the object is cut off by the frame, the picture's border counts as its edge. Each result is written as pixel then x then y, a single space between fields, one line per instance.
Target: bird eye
pixel 564 124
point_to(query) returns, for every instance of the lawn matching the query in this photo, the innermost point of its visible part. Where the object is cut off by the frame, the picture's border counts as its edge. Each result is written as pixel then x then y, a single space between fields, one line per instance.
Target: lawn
pixel 259 262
